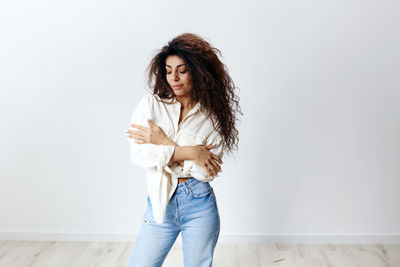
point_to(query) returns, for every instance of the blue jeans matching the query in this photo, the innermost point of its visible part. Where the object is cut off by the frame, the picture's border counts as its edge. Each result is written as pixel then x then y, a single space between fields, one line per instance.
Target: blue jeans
pixel 193 211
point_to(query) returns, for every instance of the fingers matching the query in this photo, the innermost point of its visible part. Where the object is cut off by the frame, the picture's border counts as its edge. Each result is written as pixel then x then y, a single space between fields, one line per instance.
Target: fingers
pixel 151 123
pixel 138 139
pixel 139 136
pixel 216 157
pixel 210 146
pixel 212 167
pixel 138 127
pixel 131 133
pixel 215 167
pixel 140 133
pixel 208 169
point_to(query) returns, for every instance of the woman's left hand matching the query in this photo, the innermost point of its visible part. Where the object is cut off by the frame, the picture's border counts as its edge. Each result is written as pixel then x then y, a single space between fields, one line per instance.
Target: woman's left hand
pixel 153 135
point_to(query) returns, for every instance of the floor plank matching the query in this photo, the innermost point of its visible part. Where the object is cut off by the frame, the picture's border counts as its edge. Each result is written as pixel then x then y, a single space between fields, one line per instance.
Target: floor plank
pixel 114 254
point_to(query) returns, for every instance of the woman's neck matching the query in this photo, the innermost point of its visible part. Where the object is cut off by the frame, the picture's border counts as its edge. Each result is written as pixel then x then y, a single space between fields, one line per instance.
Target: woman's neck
pixel 186 102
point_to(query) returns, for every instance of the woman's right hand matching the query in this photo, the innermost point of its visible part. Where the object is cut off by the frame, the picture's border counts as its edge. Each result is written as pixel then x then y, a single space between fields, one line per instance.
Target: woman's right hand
pixel 208 160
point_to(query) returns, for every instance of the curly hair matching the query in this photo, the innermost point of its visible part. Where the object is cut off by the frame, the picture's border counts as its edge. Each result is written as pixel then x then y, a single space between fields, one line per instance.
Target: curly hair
pixel 212 85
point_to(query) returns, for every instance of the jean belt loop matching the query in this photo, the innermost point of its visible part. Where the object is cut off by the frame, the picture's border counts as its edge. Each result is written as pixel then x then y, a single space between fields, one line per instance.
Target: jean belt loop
pixel 186 189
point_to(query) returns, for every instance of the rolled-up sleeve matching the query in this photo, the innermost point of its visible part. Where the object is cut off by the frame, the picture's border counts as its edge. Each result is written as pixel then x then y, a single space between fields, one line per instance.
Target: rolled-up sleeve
pixel 197 171
pixel 148 155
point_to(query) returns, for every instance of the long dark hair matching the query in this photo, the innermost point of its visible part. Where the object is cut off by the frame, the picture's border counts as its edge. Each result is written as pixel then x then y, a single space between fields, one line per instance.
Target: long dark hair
pixel 212 85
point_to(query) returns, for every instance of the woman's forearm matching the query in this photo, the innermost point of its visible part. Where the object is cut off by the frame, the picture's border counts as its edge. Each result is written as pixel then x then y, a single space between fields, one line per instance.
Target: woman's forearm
pixel 181 152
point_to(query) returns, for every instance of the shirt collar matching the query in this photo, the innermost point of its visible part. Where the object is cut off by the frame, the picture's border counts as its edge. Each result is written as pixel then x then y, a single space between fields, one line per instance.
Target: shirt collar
pixel 195 108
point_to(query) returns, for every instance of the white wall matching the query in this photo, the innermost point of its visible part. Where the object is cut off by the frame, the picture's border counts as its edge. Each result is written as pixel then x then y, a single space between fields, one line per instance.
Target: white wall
pixel 319 140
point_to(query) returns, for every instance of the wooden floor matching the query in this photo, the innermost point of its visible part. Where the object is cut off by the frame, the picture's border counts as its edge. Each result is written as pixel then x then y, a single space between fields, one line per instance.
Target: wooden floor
pixel 86 254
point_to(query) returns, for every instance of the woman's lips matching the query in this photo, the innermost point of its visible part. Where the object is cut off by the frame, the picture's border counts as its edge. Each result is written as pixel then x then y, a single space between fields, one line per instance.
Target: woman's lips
pixel 177 86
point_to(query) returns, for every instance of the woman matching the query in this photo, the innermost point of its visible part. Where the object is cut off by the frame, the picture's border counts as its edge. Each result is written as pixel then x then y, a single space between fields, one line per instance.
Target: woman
pixel 179 133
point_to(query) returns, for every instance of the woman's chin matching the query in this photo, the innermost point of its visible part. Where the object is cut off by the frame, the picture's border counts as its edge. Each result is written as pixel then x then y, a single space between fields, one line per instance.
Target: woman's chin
pixel 181 93
pixel 178 92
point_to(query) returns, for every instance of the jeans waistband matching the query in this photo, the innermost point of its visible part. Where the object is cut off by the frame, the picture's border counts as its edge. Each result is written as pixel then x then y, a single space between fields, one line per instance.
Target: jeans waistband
pixel 182 187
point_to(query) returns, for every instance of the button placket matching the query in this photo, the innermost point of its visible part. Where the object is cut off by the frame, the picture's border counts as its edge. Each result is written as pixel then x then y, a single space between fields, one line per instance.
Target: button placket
pixel 177 114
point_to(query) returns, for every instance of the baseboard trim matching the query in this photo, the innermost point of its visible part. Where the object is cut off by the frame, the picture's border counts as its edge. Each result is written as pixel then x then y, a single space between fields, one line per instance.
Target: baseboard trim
pixel 223 238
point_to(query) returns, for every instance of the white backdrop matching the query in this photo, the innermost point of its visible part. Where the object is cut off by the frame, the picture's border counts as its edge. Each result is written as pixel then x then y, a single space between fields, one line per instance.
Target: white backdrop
pixel 319 147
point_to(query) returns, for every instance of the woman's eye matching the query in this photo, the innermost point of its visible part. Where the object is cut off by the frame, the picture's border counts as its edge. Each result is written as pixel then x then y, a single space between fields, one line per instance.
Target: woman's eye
pixel 181 72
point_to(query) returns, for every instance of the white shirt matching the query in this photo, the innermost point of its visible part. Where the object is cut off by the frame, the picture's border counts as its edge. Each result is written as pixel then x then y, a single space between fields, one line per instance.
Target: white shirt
pixel 194 129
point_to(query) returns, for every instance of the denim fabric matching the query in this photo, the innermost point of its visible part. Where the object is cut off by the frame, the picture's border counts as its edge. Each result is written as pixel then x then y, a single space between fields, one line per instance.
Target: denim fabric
pixel 191 211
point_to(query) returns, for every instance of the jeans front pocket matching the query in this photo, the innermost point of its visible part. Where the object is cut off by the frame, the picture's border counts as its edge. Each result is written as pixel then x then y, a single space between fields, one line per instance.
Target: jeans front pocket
pixel 201 189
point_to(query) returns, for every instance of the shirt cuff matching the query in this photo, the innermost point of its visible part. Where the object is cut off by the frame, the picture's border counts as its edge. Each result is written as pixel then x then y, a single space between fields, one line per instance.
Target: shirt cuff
pixel 165 156
pixel 192 169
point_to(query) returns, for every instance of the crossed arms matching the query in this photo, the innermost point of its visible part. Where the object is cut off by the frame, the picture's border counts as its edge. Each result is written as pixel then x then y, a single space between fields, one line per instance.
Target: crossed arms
pixel 155 139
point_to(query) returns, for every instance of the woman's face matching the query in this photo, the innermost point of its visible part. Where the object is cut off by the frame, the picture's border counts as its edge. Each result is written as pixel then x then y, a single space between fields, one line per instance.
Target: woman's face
pixel 178 77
